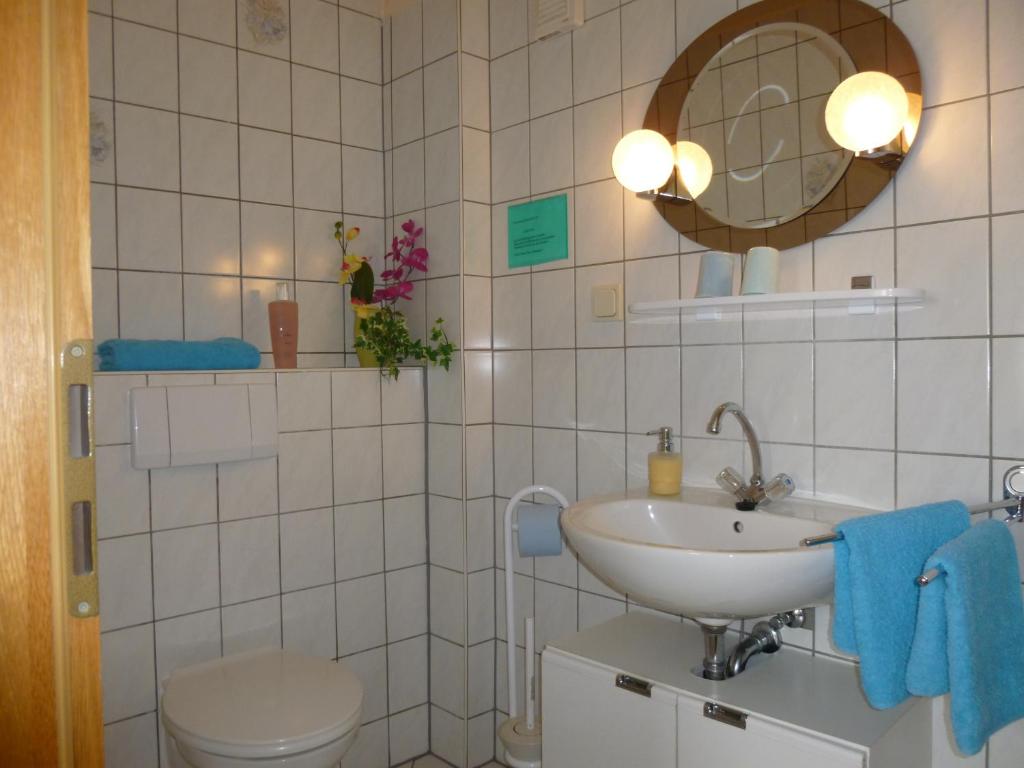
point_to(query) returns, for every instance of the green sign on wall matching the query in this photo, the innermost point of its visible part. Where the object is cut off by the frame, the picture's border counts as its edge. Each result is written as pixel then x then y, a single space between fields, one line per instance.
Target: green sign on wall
pixel 538 231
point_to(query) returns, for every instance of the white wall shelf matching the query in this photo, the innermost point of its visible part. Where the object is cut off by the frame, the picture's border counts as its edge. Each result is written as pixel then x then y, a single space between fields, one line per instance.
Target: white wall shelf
pixel 857 301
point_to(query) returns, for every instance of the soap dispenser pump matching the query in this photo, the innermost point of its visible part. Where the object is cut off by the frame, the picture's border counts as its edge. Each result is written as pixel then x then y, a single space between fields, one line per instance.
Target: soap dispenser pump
pixel 664 466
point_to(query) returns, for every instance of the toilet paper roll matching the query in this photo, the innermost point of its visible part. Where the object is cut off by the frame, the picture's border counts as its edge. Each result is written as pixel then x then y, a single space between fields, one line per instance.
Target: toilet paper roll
pixel 539 532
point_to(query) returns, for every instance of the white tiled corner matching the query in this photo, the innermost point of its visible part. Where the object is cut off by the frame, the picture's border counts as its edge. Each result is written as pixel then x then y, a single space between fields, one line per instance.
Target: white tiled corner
pixel 407 673
pixel 405 522
pixel 406 602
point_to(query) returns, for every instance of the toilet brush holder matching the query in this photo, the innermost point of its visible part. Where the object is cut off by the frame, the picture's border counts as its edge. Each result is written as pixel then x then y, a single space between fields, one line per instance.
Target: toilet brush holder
pixel 522 745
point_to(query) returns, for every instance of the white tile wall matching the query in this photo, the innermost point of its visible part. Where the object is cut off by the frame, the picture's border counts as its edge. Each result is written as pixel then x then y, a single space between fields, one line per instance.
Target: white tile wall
pixel 209 560
pixel 211 121
pixel 879 410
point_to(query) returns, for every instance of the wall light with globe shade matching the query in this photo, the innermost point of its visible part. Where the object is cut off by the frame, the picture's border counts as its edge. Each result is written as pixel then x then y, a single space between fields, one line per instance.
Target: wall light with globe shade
pixel 867 111
pixel 643 161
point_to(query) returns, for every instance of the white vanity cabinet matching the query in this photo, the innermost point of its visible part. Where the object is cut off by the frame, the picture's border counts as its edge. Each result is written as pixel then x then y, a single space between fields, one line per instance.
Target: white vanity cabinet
pixel 705 741
pixel 621 695
pixel 599 723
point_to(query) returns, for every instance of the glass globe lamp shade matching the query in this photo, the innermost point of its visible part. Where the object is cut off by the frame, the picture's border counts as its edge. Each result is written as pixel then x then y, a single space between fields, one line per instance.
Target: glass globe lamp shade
pixel 694 167
pixel 866 111
pixel 642 161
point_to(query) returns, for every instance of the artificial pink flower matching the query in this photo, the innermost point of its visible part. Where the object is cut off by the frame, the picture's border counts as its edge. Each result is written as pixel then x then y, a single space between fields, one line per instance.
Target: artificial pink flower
pixel 417 259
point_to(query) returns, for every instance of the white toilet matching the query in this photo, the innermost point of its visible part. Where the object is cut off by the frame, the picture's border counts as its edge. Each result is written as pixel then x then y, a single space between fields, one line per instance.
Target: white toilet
pixel 261 708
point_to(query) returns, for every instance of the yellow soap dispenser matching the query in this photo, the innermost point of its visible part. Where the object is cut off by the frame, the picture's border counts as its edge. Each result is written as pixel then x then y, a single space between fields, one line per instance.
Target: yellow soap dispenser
pixel 664 466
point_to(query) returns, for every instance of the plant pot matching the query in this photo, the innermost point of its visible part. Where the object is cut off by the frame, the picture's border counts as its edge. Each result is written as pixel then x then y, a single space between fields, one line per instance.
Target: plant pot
pixel 362 311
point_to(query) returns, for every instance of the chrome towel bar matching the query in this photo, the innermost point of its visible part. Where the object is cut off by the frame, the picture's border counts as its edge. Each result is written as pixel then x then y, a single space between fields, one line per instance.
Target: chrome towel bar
pixel 1012 502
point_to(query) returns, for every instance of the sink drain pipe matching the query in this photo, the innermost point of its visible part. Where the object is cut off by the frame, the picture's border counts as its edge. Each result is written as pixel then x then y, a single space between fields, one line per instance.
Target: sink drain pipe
pixel 521 734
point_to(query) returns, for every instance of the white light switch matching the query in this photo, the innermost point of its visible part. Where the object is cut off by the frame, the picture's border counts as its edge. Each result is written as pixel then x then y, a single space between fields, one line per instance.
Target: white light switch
pixel 606 302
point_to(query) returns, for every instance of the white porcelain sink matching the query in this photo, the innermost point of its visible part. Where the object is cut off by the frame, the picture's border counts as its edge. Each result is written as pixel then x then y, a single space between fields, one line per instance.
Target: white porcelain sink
pixel 696 555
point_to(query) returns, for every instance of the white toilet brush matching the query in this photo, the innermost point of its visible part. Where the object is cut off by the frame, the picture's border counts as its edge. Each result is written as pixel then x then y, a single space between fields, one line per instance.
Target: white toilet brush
pixel 521 734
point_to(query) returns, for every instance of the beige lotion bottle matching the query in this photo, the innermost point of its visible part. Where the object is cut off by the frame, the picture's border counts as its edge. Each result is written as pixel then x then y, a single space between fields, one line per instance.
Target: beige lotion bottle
pixel 664 466
pixel 284 328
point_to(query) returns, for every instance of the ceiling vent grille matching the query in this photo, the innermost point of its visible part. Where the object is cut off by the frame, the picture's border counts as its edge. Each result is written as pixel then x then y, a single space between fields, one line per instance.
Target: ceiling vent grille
pixel 551 17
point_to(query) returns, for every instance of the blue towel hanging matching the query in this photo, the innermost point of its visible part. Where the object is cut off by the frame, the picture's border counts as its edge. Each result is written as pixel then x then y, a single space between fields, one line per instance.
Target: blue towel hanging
pixel 875 595
pixel 968 637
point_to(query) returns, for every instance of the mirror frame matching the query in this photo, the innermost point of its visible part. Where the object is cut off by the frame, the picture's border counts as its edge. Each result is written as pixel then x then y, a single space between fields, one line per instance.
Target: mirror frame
pixel 872 40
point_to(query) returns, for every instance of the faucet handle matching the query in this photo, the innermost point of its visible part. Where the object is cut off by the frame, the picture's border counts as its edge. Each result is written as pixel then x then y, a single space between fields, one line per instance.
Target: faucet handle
pixel 779 487
pixel 730 480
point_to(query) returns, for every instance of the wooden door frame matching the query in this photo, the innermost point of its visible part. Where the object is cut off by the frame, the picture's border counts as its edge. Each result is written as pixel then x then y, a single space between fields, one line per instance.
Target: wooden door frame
pixel 50 701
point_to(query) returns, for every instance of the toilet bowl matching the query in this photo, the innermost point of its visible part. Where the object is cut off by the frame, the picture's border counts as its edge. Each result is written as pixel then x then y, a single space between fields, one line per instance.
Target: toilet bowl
pixel 261 708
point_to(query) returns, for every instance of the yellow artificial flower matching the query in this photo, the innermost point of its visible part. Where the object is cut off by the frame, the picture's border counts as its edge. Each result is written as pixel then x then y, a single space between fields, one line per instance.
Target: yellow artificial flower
pixel 352 234
pixel 350 265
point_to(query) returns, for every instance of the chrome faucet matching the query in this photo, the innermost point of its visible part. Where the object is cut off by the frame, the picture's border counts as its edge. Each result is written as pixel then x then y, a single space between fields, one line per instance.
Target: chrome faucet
pixel 756 491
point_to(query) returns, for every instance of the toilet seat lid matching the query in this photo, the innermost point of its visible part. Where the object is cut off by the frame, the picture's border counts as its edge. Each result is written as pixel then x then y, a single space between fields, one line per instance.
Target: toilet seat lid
pixel 260 703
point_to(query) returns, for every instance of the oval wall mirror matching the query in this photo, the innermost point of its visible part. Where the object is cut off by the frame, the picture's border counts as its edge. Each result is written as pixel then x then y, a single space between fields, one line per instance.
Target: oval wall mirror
pixel 751 91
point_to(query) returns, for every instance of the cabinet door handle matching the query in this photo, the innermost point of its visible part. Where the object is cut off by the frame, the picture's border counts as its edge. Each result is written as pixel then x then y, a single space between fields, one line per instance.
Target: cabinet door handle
pixel 633 685
pixel 732 717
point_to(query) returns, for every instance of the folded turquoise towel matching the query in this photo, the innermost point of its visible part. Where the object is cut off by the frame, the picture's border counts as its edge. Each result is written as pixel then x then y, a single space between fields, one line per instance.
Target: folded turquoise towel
pixel 969 630
pixel 876 563
pixel 141 355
